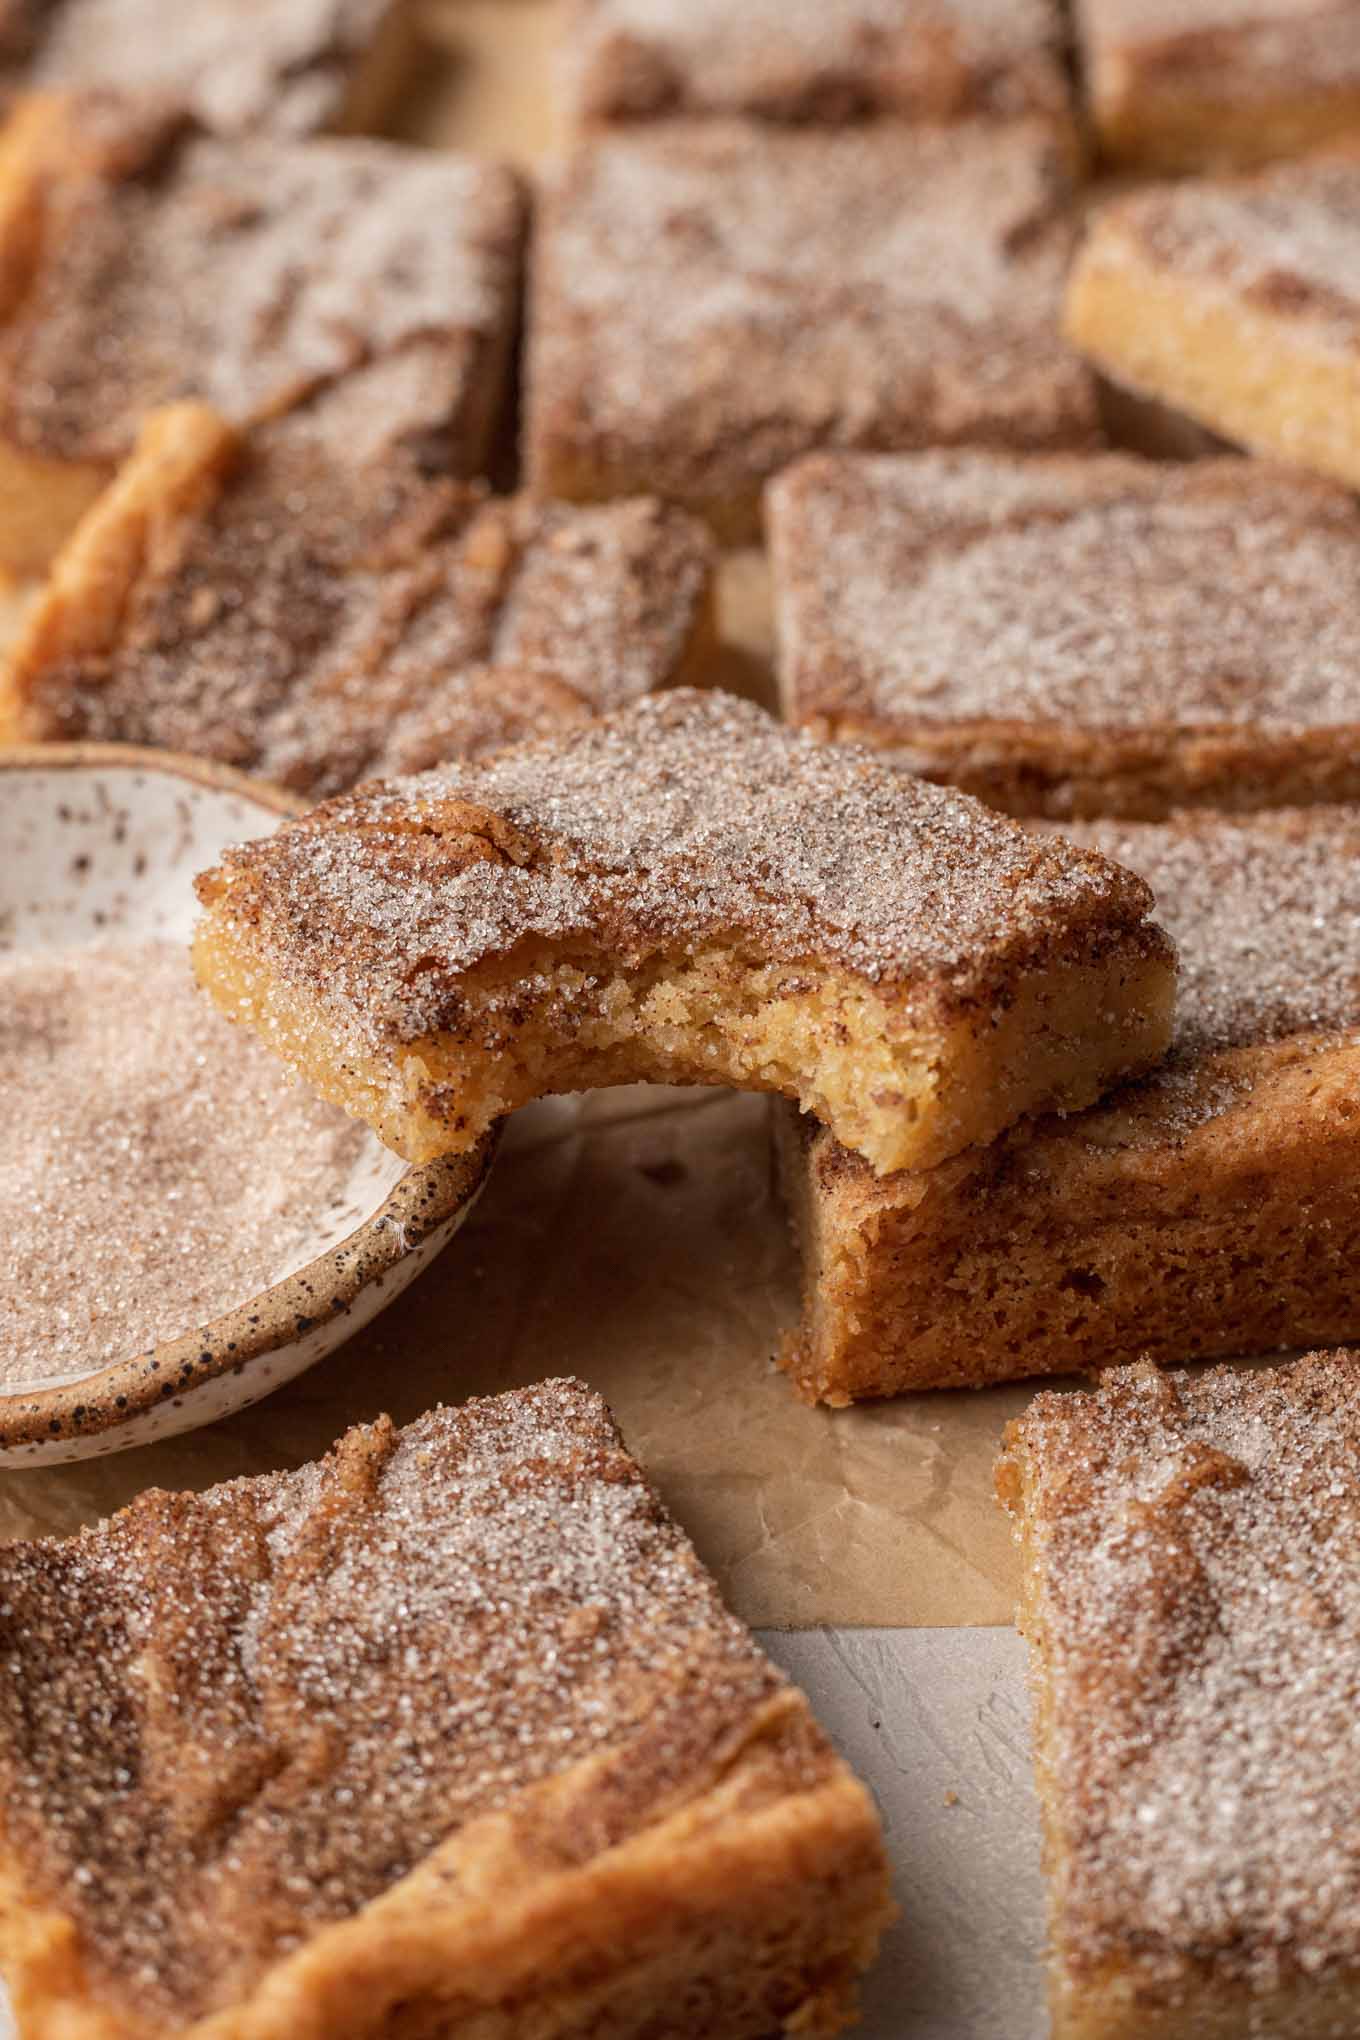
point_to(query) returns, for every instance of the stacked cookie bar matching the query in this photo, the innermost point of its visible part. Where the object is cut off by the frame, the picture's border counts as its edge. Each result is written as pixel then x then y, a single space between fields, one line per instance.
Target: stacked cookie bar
pixel 1035 911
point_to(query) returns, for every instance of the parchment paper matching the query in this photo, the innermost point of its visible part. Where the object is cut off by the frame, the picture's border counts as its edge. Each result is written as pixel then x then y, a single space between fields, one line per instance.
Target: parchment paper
pixel 634 1238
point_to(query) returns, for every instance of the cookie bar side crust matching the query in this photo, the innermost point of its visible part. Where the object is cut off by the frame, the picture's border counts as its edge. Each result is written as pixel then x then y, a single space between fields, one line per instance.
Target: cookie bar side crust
pixel 1061 772
pixel 1175 97
pixel 1274 384
pixel 179 463
pixel 1208 1213
pixel 1130 1491
pixel 753 1907
pixel 41 498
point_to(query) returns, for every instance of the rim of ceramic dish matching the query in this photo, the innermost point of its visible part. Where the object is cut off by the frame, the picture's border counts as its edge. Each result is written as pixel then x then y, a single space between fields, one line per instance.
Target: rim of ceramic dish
pixel 425 1198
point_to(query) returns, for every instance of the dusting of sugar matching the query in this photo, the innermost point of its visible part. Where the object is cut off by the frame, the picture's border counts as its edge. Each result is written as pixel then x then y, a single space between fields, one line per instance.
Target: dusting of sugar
pixel 1286 240
pixel 683 817
pixel 861 55
pixel 157 1168
pixel 247 274
pixel 1269 50
pixel 1112 594
pixel 279 65
pixel 326 619
pixel 714 294
pixel 1199 1634
pixel 1265 913
pixel 338 1669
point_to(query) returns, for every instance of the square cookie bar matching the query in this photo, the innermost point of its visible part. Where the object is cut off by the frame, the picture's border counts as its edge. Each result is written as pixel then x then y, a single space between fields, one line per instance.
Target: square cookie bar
pixel 144 262
pixel 713 298
pixel 1211 1209
pixel 1064 635
pixel 449 1733
pixel 802 60
pixel 1190 84
pixel 284 67
pixel 1237 301
pixel 274 602
pixel 686 892
pixel 1192 1604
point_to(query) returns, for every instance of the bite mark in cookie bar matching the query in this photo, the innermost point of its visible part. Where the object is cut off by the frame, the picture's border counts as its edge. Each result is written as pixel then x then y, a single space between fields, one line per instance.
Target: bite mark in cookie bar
pixel 145 262
pixel 686 892
pixel 800 60
pixel 1191 1604
pixel 281 603
pixel 449 1732
pixel 1211 1209
pixel 1076 636
pixel 713 298
pixel 1237 301
pixel 284 67
pixel 1221 82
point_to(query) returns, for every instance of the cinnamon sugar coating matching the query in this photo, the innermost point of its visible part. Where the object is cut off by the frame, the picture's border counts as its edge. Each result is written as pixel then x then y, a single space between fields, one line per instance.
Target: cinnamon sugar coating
pixel 874 287
pixel 1235 300
pixel 236 1721
pixel 318 617
pixel 682 816
pixel 1191 1603
pixel 686 892
pixel 1179 87
pixel 169 264
pixel 802 60
pixel 287 67
pixel 1210 1208
pixel 1062 635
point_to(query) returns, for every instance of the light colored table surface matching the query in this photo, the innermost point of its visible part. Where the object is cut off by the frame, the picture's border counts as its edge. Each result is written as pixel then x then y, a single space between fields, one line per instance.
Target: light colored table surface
pixel 936 1722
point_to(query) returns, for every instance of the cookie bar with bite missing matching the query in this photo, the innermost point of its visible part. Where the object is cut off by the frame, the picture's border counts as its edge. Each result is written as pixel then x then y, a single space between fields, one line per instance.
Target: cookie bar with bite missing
pixel 686 892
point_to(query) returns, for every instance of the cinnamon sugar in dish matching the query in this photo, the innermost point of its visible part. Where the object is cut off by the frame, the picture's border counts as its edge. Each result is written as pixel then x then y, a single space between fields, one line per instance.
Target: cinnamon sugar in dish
pixel 157 1168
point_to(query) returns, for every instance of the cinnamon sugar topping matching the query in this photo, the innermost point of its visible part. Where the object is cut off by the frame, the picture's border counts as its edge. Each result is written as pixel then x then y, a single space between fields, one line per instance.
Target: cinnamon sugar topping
pixel 1265 913
pixel 249 274
pixel 1285 241
pixel 284 66
pixel 687 816
pixel 715 298
pixel 233 1718
pixel 800 58
pixel 1196 1621
pixel 1110 593
pixel 325 619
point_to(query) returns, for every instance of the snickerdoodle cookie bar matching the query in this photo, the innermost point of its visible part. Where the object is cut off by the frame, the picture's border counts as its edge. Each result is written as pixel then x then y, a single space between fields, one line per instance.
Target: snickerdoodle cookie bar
pixel 144 261
pixel 712 298
pixel 687 892
pixel 1212 1208
pixel 301 604
pixel 1192 1605
pixel 449 1733
pixel 1076 636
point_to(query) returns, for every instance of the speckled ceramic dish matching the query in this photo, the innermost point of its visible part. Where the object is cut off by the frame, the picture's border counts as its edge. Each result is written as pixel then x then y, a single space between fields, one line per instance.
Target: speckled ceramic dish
pixel 97 839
